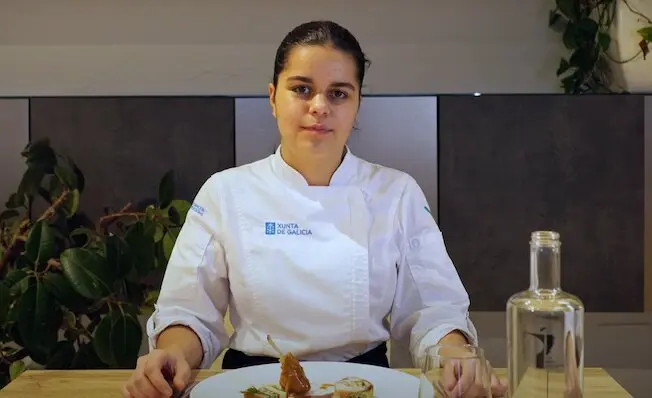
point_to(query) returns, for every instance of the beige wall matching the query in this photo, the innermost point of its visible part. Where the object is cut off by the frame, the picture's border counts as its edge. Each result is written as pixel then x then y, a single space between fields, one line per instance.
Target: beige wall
pixel 70 47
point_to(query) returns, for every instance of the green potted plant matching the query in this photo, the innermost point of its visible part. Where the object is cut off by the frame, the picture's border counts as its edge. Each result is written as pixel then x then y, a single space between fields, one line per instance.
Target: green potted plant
pixel 72 289
pixel 585 28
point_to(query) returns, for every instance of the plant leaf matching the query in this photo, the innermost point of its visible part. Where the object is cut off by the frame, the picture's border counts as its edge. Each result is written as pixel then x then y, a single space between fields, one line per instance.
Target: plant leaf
pixel 117 339
pixel 166 190
pixel 16 369
pixel 160 232
pixel 102 340
pixel 67 176
pixel 181 207
pixel 40 156
pixel 39 319
pixel 557 22
pixel 5 303
pixel 86 358
pixel 147 308
pixel 82 236
pixel 31 182
pixel 15 200
pixel 569 36
pixel 646 33
pixel 604 40
pixel 34 144
pixel 169 240
pixel 118 255
pixel 18 283
pixel 568 8
pixel 62 290
pixel 71 204
pixel 39 247
pixel 588 28
pixel 55 187
pixel 81 181
pixel 126 338
pixel 8 214
pixel 582 59
pixel 140 239
pixel 61 356
pixel 563 67
pixel 13 277
pixel 90 274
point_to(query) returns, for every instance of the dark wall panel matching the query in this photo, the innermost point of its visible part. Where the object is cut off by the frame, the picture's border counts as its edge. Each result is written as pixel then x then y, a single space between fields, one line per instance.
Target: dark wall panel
pixel 14 135
pixel 510 165
pixel 125 145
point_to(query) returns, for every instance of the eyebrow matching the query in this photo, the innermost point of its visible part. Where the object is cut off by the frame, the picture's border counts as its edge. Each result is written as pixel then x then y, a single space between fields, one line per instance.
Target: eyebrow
pixel 309 80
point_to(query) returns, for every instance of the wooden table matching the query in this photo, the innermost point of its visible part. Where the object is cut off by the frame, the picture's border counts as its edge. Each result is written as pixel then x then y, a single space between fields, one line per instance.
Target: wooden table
pixel 108 383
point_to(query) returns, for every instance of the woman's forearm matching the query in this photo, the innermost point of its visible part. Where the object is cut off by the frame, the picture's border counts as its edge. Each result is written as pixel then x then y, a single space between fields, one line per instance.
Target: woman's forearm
pixel 182 338
pixel 454 338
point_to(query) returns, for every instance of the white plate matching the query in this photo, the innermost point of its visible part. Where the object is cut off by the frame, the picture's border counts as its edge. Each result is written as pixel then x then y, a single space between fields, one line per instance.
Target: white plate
pixel 388 383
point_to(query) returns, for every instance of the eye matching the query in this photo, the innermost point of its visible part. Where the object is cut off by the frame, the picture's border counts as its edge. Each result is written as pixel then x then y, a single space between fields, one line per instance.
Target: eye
pixel 302 90
pixel 339 94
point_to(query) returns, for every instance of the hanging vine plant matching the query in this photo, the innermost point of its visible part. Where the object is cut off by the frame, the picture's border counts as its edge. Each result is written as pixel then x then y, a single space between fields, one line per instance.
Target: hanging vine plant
pixel 584 26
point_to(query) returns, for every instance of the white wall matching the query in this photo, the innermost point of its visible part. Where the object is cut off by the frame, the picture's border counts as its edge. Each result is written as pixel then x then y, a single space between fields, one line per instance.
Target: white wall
pixel 125 47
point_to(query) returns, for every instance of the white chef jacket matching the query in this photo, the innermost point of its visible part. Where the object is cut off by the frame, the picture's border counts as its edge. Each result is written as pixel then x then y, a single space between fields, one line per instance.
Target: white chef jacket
pixel 319 268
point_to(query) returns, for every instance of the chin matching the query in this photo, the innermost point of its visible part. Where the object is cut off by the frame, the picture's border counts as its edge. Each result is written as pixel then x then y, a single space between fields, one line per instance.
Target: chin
pixel 318 144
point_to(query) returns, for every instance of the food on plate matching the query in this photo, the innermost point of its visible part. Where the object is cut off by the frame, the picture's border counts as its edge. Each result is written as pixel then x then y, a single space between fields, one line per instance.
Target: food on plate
pixel 353 387
pixel 293 383
pixel 267 391
pixel 348 387
pixel 275 391
pixel 293 379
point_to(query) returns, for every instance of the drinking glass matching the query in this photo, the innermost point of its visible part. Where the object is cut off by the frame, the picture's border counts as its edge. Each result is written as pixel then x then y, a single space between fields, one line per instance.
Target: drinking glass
pixel 454 371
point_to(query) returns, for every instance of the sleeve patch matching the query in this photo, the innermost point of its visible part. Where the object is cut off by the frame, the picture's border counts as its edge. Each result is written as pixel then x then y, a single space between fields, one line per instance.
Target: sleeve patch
pixel 197 209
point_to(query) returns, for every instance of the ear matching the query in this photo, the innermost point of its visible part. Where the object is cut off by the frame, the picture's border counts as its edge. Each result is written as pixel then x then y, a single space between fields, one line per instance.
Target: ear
pixel 272 98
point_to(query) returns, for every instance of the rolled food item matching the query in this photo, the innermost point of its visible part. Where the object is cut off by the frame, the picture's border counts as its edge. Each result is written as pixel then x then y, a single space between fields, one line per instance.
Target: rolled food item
pixel 353 387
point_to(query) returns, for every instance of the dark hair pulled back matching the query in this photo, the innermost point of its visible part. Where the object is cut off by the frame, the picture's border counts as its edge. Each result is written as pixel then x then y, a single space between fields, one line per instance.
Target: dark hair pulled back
pixel 321 33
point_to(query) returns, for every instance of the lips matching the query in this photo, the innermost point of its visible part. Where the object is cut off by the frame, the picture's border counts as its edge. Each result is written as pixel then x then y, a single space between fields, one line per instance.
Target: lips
pixel 318 128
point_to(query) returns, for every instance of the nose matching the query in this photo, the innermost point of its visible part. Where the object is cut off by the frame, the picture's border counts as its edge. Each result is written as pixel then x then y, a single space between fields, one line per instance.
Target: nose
pixel 319 106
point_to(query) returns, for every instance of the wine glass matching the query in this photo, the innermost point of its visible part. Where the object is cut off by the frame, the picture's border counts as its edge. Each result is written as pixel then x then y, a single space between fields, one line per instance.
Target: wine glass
pixel 454 371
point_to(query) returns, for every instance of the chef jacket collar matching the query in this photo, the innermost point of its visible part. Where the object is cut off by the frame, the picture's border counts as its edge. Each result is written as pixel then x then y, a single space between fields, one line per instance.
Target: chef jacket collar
pixel 342 176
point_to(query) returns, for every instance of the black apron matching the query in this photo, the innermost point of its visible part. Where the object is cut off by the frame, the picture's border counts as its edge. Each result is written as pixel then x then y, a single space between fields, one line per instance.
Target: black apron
pixel 234 359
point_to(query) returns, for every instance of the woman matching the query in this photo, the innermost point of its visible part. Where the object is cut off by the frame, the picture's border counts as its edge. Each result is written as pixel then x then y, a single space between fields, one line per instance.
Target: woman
pixel 312 245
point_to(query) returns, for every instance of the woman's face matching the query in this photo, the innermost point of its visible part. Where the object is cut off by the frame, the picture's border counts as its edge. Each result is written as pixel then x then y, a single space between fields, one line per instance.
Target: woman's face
pixel 316 100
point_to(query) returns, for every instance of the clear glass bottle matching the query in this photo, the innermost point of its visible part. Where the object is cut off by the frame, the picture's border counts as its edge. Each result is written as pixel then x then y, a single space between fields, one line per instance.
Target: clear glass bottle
pixel 545 329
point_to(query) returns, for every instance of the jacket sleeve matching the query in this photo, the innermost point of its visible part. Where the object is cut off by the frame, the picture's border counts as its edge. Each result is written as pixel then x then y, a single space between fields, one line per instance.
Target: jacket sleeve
pixel 430 299
pixel 195 288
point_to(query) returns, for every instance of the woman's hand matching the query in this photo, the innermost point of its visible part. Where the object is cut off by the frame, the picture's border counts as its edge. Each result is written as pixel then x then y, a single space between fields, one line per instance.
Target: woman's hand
pixel 498 388
pixel 463 378
pixel 150 379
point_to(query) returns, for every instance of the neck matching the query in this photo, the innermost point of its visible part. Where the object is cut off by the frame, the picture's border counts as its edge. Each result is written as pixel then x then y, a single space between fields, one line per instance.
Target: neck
pixel 545 267
pixel 317 169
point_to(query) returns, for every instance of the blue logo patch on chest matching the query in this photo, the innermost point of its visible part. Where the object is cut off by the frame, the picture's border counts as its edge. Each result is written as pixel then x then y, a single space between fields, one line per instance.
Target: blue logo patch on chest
pixel 276 228
pixel 270 228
